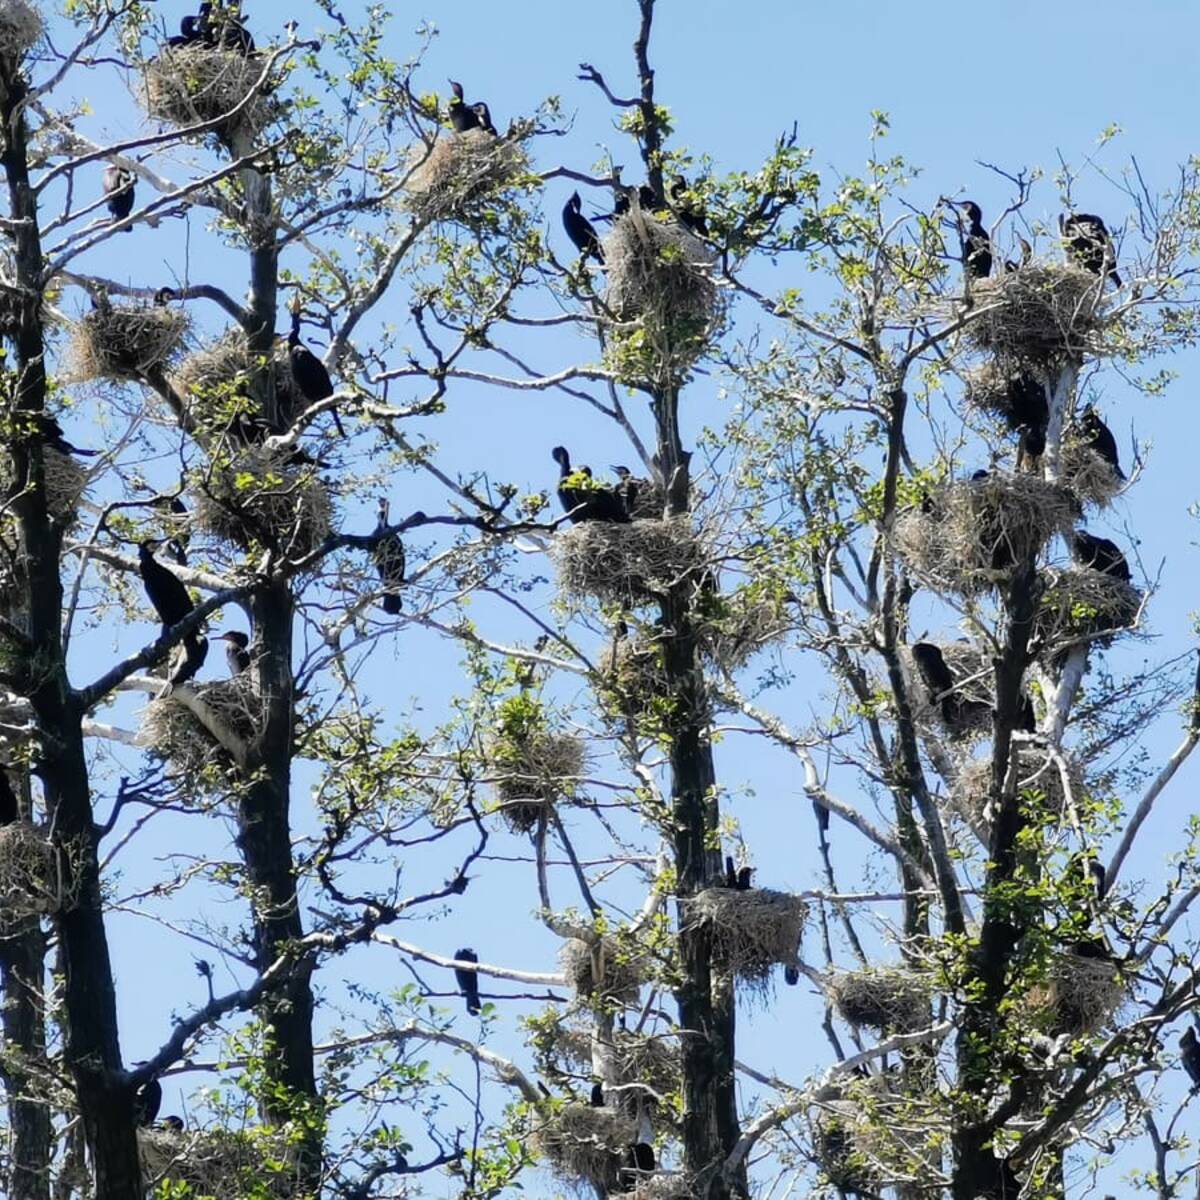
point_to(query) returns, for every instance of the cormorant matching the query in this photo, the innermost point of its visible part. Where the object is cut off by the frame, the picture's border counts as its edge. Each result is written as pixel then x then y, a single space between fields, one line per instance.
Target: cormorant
pixel 10 811
pixel 164 590
pixel 957 711
pixel 172 1124
pixel 177 545
pixel 791 976
pixel 641 1157
pixel 597 1099
pixel 822 815
pixel 468 980
pixel 688 212
pixel 189 658
pixel 594 503
pixel 1100 439
pixel 225 31
pixel 147 1102
pixel 647 200
pixel 1089 244
pixel 1100 554
pixel 308 371
pixel 483 115
pixel 1025 402
pixel 1099 877
pixel 1031 444
pixel 1026 256
pixel 52 435
pixel 1189 1050
pixel 237 650
pixel 388 555
pixel 580 230
pixel 743 879
pixel 730 872
pixel 1027 717
pixel 190 32
pixel 119 191
pixel 977 246
pixel 462 116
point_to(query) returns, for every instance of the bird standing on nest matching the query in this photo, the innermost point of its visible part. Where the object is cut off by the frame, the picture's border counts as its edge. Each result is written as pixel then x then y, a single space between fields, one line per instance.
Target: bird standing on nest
pixel 977 245
pixel 585 500
pixel 119 192
pixel 147 1102
pixel 580 230
pixel 689 214
pixel 462 115
pixel 1100 555
pixel 1098 437
pixel 1089 244
pixel 237 650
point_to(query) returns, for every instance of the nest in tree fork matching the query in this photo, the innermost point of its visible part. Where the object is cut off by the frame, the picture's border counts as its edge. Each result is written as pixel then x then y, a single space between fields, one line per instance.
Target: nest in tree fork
pixel 450 178
pixel 20 27
pixel 1079 602
pixel 585 1144
pixel 36 877
pixel 125 341
pixel 967 711
pixel 628 565
pixel 1037 772
pixel 734 626
pixel 190 85
pixel 1088 476
pixel 66 481
pixel 174 733
pixel 968 536
pixel 225 1163
pixel 1080 995
pixel 887 999
pixel 751 930
pixel 533 771
pixel 607 971
pixel 633 677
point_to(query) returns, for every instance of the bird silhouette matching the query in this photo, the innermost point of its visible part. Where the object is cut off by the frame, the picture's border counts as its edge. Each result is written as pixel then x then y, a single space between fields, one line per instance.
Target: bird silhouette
pixel 468 980
pixel 1189 1050
pixel 119 191
pixel 1098 437
pixel 1089 244
pixel 10 810
pixel 1100 555
pixel 237 650
pixel 977 245
pixel 388 555
pixel 580 230
pixel 165 591
pixel 147 1102
pixel 462 116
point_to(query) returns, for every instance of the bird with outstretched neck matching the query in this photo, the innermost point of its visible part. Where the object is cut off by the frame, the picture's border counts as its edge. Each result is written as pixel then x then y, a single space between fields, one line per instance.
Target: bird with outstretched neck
pixel 237 650
pixel 462 116
pixel 585 500
pixel 580 230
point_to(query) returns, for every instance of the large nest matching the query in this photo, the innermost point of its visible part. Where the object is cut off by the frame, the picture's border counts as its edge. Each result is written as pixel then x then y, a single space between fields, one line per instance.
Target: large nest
pixel 66 480
pixel 532 771
pixel 1038 773
pixel 255 499
pixel 751 929
pixel 229 1164
pixel 633 678
pixel 125 341
pixel 734 626
pixel 1087 474
pixel 190 85
pixel 174 733
pixel 448 179
pixel 628 565
pixel 604 972
pixel 20 27
pixel 887 999
pixel 586 1144
pixel 1081 994
pixel 1041 312
pixel 1082 603
pixel 968 536
pixel 35 879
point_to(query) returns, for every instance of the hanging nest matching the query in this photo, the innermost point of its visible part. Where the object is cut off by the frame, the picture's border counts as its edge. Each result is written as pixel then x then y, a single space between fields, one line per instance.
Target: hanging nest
pixel 449 179
pixel 1081 994
pixel 189 85
pixel 125 341
pixel 534 770
pixel 36 878
pixel 886 999
pixel 751 929
pixel 255 499
pixel 175 734
pixel 20 27
pixel 585 1144
pixel 734 626
pixel 230 1164
pixel 1079 602
pixel 1037 773
pixel 968 536
pixel 1039 313
pixel 633 679
pixel 603 972
pixel 1089 476
pixel 628 565
pixel 66 481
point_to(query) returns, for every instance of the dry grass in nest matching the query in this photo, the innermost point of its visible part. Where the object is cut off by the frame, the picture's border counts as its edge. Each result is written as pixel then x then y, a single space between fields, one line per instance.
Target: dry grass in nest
pixel 751 930
pixel 627 565
pixel 1037 772
pixel 1088 476
pixel 66 481
pixel 34 878
pixel 967 537
pixel 20 27
pixel 222 1163
pixel 602 972
pixel 733 627
pixel 448 179
pixel 662 1187
pixel 188 85
pixel 585 1144
pixel 175 734
pixel 1041 312
pixel 125 341
pixel 1080 602
pixel 839 1150
pixel 633 677
pixel 254 499
pixel 1080 996
pixel 532 771
pixel 887 999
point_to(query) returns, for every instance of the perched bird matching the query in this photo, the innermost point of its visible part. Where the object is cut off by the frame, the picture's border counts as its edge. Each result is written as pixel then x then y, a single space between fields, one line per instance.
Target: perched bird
pixel 388 555
pixel 1099 877
pixel 1031 445
pixel 237 650
pixel 468 980
pixel 190 33
pixel 308 371
pixel 1089 244
pixel 164 590
pixel 641 1157
pixel 647 200
pixel 730 872
pixel 224 30
pixel 822 815
pixel 1025 402
pixel 119 191
pixel 1027 716
pixel 171 1124
pixel 590 502
pixel 188 659
pixel 977 246
pixel 10 811
pixel 641 498
pixel 483 115
pixel 1099 438
pixel 743 879
pixel 1100 554
pixel 462 116
pixel 1189 1050
pixel 52 436
pixel 147 1102
pixel 958 712
pixel 689 213
pixel 597 1099
pixel 580 230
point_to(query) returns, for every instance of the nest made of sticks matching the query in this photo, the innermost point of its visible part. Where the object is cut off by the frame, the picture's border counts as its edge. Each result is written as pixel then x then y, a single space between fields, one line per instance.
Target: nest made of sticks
pixel 450 178
pixel 662 1187
pixel 734 626
pixel 585 1144
pixel 20 27
pixel 1079 602
pixel 605 972
pixel 887 999
pixel 36 877
pixel 188 85
pixel 1081 994
pixel 533 770
pixel 66 481
pixel 224 1163
pixel 751 929
pixel 632 677
pixel 125 341
pixel 1041 312
pixel 628 565
pixel 1087 474
pixel 174 733
pixel 840 1149
pixel 254 498
pixel 968 535
pixel 1037 772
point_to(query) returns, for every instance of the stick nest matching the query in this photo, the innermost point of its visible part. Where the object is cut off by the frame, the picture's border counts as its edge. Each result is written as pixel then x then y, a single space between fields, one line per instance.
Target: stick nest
pixel 1079 602
pixel 585 1144
pixel 968 536
pixel 36 878
pixel 607 971
pixel 174 733
pixel 751 930
pixel 20 27
pixel 627 565
pixel 228 1164
pixel 633 678
pixel 1087 474
pixel 451 178
pixel 66 481
pixel 1037 772
pixel 254 499
pixel 840 1152
pixel 734 626
pixel 1042 312
pixel 125 341
pixel 188 85
pixel 966 712
pixel 662 1187
pixel 534 770
pixel 1080 996
pixel 887 999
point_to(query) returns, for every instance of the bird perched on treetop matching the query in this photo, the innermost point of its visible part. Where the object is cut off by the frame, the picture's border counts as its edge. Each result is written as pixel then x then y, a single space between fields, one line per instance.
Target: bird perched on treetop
pixel 468 980
pixel 164 590
pixel 119 191
pixel 237 650
pixel 977 245
pixel 580 230
pixel 388 555
pixel 1089 244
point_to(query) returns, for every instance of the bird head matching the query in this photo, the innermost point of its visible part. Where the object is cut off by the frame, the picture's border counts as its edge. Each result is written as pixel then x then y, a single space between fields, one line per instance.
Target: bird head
pixel 174 1124
pixel 973 211
pixel 165 294
pixel 575 203
pixel 457 89
pixel 620 472
pixel 236 637
pixel 560 456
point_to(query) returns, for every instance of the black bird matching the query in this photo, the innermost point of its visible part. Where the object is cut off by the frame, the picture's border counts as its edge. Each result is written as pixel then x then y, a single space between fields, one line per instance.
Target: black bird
pixel 52 435
pixel 1025 402
pixel 189 658
pixel 10 811
pixel 1099 438
pixel 1027 716
pixel 977 246
pixel 171 1124
pixel 177 545
pixel 957 711
pixel 595 502
pixel 1026 256
pixel 190 33
pixel 791 976
pixel 462 116
pixel 730 872
pixel 483 115
pixel 164 590
pixel 1031 445
pixel 689 213
pixel 224 29
pixel 822 815
pixel 641 1157
pixel 580 230
pixel 388 555
pixel 1189 1050
pixel 308 371
pixel 147 1102
pixel 468 980
pixel 237 650
pixel 1099 877
pixel 1100 554
pixel 647 200
pixel 743 879
pixel 1089 244
pixel 597 1100
pixel 119 191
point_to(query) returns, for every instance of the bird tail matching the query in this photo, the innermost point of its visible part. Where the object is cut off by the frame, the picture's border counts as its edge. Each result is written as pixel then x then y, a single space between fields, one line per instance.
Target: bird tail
pixel 391 604
pixel 1115 278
